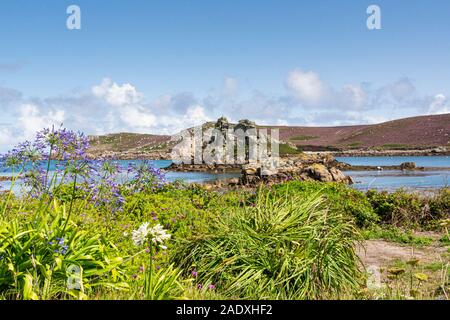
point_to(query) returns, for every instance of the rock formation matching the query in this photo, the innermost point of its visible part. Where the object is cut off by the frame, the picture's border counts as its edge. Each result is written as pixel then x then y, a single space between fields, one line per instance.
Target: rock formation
pixel 294 168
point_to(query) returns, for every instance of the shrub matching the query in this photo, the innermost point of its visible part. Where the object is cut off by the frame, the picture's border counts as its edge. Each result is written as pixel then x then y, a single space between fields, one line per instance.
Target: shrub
pixel 402 208
pixel 286 248
pixel 337 196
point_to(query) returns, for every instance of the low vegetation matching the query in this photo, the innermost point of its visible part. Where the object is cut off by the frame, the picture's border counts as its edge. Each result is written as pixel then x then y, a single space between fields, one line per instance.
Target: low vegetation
pixel 93 230
pixel 303 138
pixel 286 149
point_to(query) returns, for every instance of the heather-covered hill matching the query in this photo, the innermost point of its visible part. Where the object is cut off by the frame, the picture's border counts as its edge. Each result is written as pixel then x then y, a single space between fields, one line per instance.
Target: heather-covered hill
pixel 407 133
pixel 403 134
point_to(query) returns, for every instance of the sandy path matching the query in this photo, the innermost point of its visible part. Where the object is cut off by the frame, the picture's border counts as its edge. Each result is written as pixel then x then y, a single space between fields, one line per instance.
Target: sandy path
pixel 380 252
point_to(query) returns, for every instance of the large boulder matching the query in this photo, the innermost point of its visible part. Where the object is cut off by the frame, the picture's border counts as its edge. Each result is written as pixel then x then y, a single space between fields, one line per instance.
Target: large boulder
pixel 319 172
pixel 337 174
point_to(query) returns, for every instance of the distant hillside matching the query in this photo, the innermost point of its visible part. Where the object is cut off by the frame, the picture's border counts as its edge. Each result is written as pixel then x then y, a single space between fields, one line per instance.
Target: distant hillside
pixel 408 133
pixel 129 145
pixel 403 134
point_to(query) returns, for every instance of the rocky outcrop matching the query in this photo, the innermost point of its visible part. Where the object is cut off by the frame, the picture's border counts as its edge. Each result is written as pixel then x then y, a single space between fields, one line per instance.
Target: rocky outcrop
pixel 6 178
pixel 214 168
pixel 408 166
pixel 130 155
pixel 293 169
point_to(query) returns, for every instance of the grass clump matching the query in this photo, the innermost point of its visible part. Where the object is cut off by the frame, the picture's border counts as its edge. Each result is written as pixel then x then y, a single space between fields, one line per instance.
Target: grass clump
pixel 337 196
pixel 285 248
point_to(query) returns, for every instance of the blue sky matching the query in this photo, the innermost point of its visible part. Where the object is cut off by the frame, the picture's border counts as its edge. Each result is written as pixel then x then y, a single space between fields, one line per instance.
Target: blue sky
pixel 157 66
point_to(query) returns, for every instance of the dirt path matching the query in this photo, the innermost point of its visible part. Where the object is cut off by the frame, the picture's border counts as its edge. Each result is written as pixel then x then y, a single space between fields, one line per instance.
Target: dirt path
pixel 380 252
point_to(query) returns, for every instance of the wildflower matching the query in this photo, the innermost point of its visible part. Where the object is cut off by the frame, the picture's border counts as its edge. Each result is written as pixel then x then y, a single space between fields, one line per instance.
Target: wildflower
pixel 145 176
pixel 199 286
pixel 211 287
pixel 61 247
pixel 140 235
pixel 194 273
pixel 159 234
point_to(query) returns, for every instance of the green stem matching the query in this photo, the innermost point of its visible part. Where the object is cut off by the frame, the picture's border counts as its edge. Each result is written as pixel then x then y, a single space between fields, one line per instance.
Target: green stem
pixel 13 183
pixel 48 163
pixel 149 288
pixel 71 203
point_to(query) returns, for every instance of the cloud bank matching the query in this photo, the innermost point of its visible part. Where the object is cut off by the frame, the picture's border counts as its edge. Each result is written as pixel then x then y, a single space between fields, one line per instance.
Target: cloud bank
pixel 120 107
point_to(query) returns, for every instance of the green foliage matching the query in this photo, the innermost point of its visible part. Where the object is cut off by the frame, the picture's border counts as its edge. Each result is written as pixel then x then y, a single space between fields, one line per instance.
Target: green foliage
pixel 285 149
pixel 337 196
pixel 36 255
pixel 294 240
pixel 396 146
pixel 354 145
pixel 304 138
pixel 402 208
pixel 284 248
pixel 394 234
pixel 163 284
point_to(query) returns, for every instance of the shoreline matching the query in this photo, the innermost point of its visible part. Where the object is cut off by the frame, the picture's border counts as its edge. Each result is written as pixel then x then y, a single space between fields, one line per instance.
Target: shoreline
pixel 110 155
pixel 385 153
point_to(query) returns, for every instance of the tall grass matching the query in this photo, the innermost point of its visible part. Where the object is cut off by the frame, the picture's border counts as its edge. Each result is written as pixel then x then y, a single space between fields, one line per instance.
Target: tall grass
pixel 284 248
pixel 36 257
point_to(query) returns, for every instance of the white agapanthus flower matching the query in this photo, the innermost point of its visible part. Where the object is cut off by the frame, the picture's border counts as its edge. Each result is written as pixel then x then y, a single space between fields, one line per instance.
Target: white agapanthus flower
pixel 158 234
pixel 140 235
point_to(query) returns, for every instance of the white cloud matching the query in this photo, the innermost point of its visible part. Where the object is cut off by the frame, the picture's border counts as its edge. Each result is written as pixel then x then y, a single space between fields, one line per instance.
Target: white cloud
pixel 120 107
pixel 168 114
pixel 31 119
pixel 306 86
pixel 401 89
pixel 6 137
pixel 136 116
pixel 353 97
pixel 117 95
pixel 439 105
pixel 308 89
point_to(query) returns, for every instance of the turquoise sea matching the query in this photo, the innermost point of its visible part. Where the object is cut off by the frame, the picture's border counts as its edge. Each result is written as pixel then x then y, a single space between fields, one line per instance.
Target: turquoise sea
pixel 386 179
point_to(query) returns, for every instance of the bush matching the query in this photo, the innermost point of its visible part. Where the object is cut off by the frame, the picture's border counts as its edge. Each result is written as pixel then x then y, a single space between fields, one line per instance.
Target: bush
pixel 337 196
pixel 402 208
pixel 286 248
